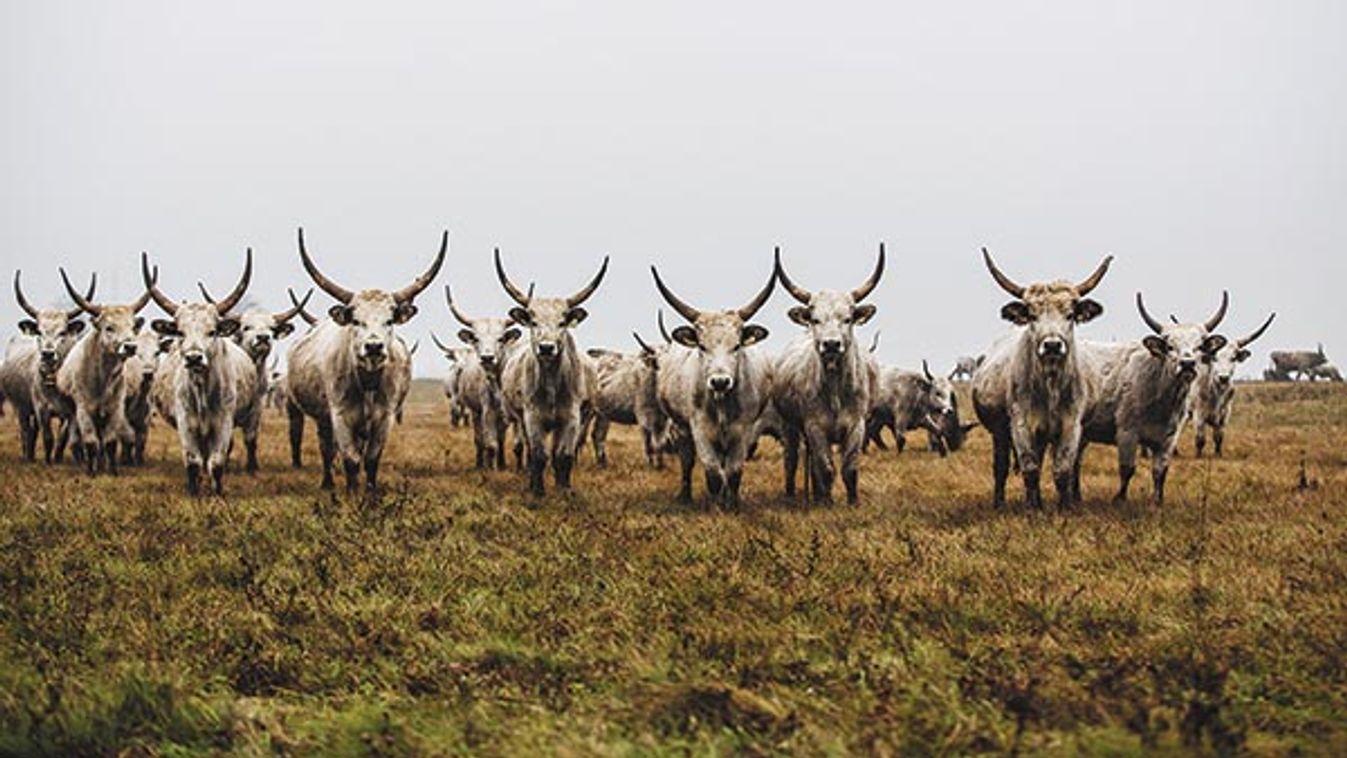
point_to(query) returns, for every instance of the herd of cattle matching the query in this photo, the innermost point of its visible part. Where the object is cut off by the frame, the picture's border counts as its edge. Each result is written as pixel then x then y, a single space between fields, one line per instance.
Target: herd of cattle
pixel 707 392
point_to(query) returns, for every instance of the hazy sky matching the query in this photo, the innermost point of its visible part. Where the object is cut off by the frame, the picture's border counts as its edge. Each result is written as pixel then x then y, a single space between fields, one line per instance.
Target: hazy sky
pixel 1204 144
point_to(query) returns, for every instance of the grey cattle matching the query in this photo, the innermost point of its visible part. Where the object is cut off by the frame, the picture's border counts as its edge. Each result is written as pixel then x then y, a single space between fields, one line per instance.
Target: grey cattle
pixel 1143 393
pixel 211 378
pixel 1326 371
pixel 351 373
pixel 138 373
pixel 907 400
pixel 1214 395
pixel 627 393
pixel 458 358
pixel 1301 363
pixel 477 381
pixel 91 376
pixel 1030 392
pixel 548 383
pixel 821 386
pixel 714 387
pixel 28 377
pixel 965 366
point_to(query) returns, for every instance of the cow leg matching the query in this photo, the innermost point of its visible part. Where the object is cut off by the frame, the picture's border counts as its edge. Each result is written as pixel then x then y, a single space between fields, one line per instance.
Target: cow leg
pixel 296 417
pixel 48 438
pixel 687 456
pixel 27 435
pixel 1029 452
pixel 790 456
pixel 194 479
pixel 899 439
pixel 250 448
pixel 851 462
pixel 327 450
pixel 821 464
pixel 500 441
pixel 568 440
pixel 63 430
pixel 1127 464
pixel 1218 439
pixel 380 426
pixel 479 437
pixel 1000 467
pixel 1200 440
pixel 715 485
pixel 600 440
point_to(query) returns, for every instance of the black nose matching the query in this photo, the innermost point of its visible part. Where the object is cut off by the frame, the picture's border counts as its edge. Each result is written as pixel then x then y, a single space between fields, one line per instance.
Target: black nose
pixel 547 348
pixel 488 360
pixel 720 383
pixel 193 359
pixel 48 356
pixel 1187 365
pixel 374 348
pixel 832 346
pixel 1054 347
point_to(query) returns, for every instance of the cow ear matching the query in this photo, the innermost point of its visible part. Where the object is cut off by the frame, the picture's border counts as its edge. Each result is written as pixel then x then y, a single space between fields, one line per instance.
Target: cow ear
pixel 165 344
pixel 226 327
pixel 468 336
pixel 74 327
pixel 165 327
pixel 575 315
pixel 800 315
pixel 340 314
pixel 509 336
pixel 752 334
pixel 1086 310
pixel 28 327
pixel 1213 343
pixel 404 313
pixel 1016 312
pixel 521 316
pixel 281 331
pixel 863 313
pixel 685 336
pixel 140 323
pixel 1242 355
pixel 1157 345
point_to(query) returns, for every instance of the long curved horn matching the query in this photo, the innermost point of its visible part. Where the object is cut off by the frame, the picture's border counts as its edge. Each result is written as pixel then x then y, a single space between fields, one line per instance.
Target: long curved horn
pixel 23 301
pixel 415 346
pixel 1155 326
pixel 1258 333
pixel 327 285
pixel 925 369
pixel 795 290
pixel 84 304
pixel 406 294
pixel 663 330
pixel 309 318
pixel 683 309
pixel 294 310
pixel 745 313
pixel 511 290
pixel 233 298
pixel 163 301
pixel 93 286
pixel 1093 280
pixel 874 342
pixel 641 342
pixel 1216 319
pixel 865 289
pixel 1006 282
pixel 447 351
pixel 584 294
pixel 449 298
pixel 144 299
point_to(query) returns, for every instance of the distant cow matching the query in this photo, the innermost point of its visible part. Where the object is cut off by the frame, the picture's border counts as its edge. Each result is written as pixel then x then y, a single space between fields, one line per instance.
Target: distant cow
pixel 907 400
pixel 1326 371
pixel 351 372
pixel 821 386
pixel 1298 362
pixel 628 394
pixel 477 380
pixel 714 387
pixel 457 357
pixel 549 384
pixel 1143 393
pixel 964 367
pixel 1214 394
pixel 1030 392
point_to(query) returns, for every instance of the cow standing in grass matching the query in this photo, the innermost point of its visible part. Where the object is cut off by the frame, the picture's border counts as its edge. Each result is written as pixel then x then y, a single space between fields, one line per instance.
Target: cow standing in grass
pixel 28 377
pixel 1301 363
pixel 1214 396
pixel 821 385
pixel 477 380
pixel 714 389
pixel 1031 392
pixel 138 376
pixel 627 394
pixel 351 372
pixel 548 385
pixel 907 400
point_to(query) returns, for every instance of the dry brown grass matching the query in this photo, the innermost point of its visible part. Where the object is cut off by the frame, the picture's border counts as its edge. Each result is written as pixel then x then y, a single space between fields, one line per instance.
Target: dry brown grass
pixel 457 616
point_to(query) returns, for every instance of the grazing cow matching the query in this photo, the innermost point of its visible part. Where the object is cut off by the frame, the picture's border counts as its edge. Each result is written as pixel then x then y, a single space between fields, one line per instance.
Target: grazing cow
pixel 1030 391
pixel 91 375
pixel 906 400
pixel 210 378
pixel 1273 375
pixel 258 330
pixel 1298 362
pixel 477 380
pixel 350 373
pixel 1326 371
pixel 1215 392
pixel 714 388
pixel 627 394
pixel 964 367
pixel 29 374
pixel 548 387
pixel 821 385
pixel 1143 393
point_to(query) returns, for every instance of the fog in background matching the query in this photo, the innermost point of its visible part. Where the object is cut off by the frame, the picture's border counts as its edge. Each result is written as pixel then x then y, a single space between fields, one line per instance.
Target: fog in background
pixel 1203 144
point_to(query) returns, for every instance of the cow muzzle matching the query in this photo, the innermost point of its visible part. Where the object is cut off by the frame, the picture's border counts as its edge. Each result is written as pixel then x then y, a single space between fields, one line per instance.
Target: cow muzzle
pixel 48 358
pixel 1188 368
pixel 1052 348
pixel 195 361
pixel 720 384
pixel 547 350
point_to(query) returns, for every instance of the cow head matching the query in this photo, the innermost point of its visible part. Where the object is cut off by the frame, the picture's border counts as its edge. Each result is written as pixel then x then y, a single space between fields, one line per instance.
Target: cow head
pixel 1049 311
pixel 830 315
pixel 1221 367
pixel 259 329
pixel 114 326
pixel 370 315
pixel 197 327
pixel 55 330
pixel 548 319
pixel 1183 347
pixel 718 336
pixel 489 338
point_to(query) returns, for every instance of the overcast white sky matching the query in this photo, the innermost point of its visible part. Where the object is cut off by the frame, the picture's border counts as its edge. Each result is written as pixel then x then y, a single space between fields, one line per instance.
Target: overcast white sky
pixel 1204 144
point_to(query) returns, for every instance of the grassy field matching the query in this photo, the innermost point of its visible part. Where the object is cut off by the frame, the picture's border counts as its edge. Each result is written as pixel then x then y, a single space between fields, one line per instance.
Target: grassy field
pixel 456 617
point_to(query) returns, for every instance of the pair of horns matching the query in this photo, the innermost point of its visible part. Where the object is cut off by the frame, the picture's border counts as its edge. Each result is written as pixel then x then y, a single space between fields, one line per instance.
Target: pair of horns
pixel 33 312
pixel 1210 324
pixel 1245 342
pixel 692 314
pixel 805 296
pixel 1017 290
pixel 296 304
pixel 86 304
pixel 524 298
pixel 404 295
pixel 171 308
